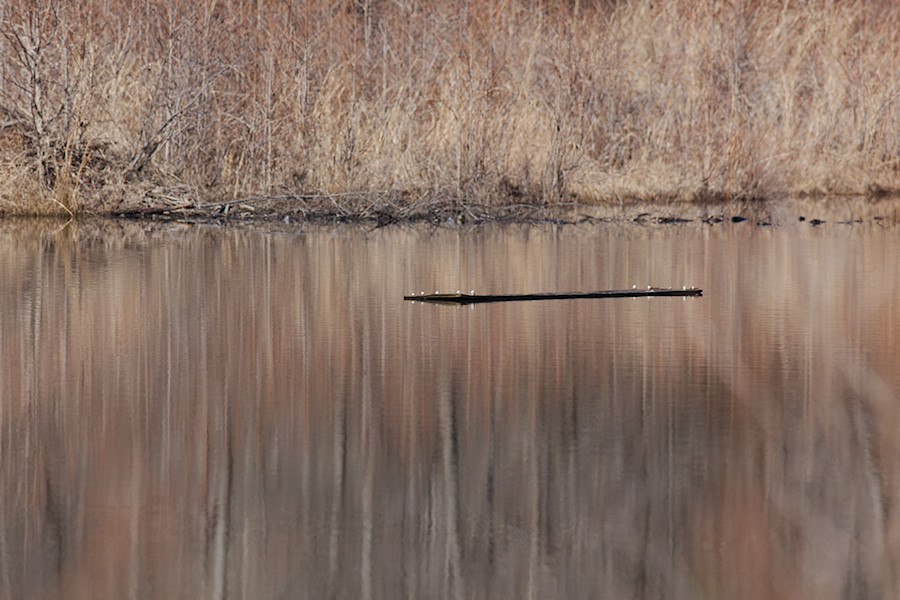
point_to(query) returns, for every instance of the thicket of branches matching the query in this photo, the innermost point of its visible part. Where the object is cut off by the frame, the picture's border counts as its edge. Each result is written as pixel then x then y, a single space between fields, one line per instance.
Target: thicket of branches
pixel 469 100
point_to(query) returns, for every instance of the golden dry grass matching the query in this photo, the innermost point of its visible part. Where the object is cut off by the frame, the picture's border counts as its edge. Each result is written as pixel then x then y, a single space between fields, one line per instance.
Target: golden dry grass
pixel 482 101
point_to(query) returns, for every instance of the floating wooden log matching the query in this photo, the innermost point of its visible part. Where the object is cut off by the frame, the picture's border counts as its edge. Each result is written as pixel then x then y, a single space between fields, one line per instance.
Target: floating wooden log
pixel 459 298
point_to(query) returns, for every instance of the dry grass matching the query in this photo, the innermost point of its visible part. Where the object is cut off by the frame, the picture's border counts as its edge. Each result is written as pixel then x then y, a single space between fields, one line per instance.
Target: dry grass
pixel 487 101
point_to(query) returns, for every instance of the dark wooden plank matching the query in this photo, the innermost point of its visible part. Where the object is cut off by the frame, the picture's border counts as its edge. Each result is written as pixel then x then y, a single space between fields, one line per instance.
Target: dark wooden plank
pixel 460 298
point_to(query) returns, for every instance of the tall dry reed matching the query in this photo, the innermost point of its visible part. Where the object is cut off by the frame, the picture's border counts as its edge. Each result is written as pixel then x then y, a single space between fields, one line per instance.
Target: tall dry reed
pixel 472 100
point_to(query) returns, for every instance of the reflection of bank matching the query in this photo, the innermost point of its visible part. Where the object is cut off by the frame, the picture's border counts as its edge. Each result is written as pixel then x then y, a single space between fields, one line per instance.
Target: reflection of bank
pixel 304 433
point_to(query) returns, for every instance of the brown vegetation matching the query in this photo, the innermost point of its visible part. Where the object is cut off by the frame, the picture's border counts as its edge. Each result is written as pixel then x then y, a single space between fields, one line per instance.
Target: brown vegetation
pixel 109 106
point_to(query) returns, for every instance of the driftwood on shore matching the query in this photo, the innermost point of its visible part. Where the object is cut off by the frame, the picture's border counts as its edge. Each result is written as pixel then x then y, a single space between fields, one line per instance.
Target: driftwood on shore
pixel 472 298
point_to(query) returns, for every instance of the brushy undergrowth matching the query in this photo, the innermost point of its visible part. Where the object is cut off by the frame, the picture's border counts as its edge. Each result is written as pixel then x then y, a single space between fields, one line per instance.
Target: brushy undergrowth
pixel 161 102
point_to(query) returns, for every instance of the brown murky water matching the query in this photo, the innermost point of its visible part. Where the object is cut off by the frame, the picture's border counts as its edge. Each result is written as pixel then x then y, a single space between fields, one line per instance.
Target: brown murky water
pixel 190 412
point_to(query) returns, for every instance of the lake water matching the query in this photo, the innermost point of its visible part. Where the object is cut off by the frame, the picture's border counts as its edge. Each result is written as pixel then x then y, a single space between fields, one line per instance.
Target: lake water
pixel 195 412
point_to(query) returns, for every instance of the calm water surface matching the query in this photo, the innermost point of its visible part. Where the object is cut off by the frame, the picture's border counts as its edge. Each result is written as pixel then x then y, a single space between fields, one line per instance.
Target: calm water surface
pixel 192 412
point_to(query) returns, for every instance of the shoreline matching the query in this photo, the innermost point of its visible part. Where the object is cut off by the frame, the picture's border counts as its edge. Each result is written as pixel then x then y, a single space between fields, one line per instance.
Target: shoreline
pixel 812 211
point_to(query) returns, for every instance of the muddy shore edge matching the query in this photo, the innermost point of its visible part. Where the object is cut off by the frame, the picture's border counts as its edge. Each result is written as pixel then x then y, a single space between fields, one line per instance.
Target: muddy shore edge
pixel 884 211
